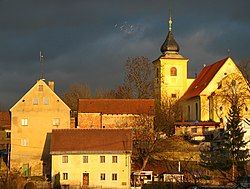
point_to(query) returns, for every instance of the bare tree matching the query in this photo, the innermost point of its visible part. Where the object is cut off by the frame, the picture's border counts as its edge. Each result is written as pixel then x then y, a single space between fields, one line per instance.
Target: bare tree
pixel 150 132
pixel 75 92
pixel 244 66
pixel 138 81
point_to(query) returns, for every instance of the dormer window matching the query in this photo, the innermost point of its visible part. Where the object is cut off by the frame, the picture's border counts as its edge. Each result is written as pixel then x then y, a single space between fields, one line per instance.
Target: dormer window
pixel 173 71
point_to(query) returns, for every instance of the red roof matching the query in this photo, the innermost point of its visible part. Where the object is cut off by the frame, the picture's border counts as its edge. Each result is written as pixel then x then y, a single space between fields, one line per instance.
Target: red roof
pixel 203 79
pixel 116 106
pixel 91 140
pixel 5 120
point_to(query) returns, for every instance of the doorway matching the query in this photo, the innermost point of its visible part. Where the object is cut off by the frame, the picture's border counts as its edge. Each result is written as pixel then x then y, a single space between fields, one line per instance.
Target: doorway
pixel 85 180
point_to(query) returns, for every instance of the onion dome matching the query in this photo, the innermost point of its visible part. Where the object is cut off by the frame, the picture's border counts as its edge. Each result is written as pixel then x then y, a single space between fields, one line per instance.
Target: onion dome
pixel 170 45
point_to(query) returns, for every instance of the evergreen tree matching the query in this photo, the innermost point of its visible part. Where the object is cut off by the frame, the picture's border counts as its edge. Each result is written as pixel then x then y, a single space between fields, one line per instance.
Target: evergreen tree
pixel 234 142
pixel 227 148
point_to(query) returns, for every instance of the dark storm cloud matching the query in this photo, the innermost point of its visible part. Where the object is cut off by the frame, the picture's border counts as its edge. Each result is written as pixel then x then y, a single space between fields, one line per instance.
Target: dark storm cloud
pixel 88 41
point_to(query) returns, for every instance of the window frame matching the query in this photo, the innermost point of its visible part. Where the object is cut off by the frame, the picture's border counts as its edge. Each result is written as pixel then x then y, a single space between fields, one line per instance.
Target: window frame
pixel 102 159
pixel 24 142
pixel 24 121
pixel 85 159
pixel 114 159
pixel 114 176
pixel 35 101
pixel 102 176
pixel 173 71
pixel 194 130
pixel 65 176
pixel 56 121
pixel 40 87
pixel 65 159
pixel 45 101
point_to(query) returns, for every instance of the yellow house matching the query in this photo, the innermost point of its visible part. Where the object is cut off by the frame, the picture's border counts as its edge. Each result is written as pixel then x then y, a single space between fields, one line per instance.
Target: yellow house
pixel 112 113
pixel 91 157
pixel 32 119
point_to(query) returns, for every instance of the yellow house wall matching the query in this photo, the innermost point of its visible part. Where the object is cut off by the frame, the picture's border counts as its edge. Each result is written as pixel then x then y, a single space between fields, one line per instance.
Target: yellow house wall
pixel 229 67
pixel 38 129
pixel 75 169
pixel 191 103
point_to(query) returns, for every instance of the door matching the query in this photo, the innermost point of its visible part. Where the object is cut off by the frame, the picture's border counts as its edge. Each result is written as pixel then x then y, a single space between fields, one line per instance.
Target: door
pixel 85 180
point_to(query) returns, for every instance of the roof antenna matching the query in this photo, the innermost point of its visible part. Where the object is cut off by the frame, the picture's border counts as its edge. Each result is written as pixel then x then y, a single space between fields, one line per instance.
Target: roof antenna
pixel 41 58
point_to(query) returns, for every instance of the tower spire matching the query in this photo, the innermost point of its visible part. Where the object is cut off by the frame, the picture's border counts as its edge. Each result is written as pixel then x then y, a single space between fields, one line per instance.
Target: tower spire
pixel 170 21
pixel 170 45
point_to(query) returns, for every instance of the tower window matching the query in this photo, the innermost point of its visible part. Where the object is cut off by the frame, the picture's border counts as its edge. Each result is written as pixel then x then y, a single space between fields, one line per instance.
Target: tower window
pixel 173 71
pixel 173 95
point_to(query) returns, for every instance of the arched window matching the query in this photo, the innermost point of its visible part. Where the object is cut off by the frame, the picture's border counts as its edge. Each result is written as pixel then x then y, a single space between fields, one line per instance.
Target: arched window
pixel 173 71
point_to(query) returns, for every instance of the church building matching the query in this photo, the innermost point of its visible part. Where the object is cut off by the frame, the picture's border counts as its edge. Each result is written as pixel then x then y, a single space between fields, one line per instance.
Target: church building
pixel 203 99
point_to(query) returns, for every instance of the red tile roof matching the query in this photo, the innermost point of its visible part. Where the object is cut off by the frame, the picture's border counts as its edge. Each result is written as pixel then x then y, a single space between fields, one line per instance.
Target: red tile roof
pixel 5 120
pixel 91 141
pixel 116 106
pixel 203 79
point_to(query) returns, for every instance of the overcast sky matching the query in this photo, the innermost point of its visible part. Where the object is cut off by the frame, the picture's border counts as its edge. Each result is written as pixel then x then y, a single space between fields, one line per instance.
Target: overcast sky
pixel 88 41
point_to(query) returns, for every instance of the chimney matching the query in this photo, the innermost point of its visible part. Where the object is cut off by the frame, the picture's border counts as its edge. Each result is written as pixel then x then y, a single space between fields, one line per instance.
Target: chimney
pixel 51 85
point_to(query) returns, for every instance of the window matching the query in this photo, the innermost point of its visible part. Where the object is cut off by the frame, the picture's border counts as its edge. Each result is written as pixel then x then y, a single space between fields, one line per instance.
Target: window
pixel 56 121
pixel 173 71
pixel 196 111
pixel 102 176
pixel 114 176
pixel 189 113
pixel 65 159
pixel 24 122
pixel 35 101
pixel 206 129
pixel 102 159
pixel 8 134
pixel 65 176
pixel 173 95
pixel 24 142
pixel 85 159
pixel 193 130
pixel 45 100
pixel 114 159
pixel 40 87
pixel 26 170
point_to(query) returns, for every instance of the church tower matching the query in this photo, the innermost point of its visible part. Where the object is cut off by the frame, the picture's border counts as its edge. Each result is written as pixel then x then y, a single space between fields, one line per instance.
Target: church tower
pixel 170 70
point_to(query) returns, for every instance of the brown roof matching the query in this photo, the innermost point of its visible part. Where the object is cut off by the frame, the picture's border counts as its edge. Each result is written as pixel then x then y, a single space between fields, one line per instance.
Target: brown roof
pixel 91 141
pixel 116 106
pixel 203 79
pixel 5 120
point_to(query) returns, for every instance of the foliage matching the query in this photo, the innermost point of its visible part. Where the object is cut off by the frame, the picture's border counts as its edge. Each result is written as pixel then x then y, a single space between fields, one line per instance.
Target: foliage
pixel 234 143
pixel 227 150
pixel 57 184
